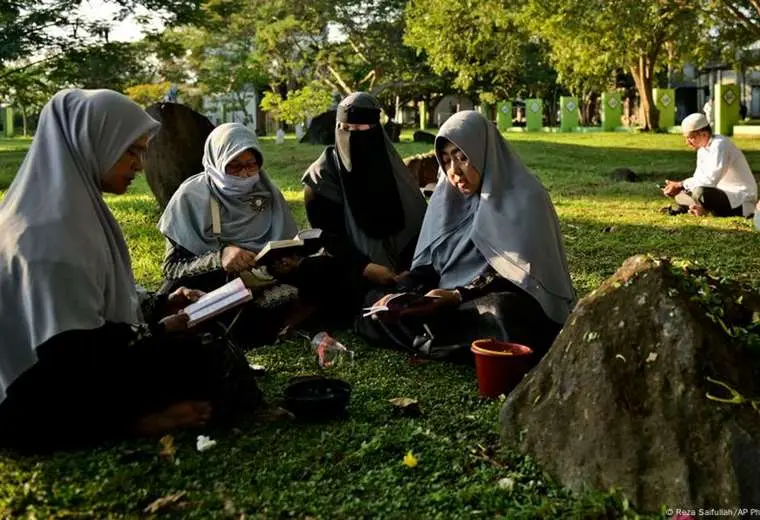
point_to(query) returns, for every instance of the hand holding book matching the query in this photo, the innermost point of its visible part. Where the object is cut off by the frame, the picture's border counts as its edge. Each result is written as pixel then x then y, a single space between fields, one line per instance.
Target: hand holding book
pixel 406 305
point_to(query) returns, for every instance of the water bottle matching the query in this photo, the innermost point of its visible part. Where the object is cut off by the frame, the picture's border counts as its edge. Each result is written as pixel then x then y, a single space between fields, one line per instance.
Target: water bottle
pixel 329 351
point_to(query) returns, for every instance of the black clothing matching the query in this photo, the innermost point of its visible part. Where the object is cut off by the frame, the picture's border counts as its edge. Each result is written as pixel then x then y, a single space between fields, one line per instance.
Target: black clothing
pixel 91 385
pixel 492 307
pixel 330 218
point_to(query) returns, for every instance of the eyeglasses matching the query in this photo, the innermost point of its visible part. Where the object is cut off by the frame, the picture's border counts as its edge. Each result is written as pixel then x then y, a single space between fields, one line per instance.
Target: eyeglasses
pixel 457 157
pixel 238 167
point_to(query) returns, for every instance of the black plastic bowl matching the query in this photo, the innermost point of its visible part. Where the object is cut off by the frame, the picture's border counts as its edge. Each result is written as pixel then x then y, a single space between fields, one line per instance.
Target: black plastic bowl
pixel 317 398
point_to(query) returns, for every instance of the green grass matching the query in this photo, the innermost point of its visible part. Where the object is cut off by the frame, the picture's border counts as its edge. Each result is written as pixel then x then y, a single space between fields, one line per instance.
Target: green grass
pixel 353 468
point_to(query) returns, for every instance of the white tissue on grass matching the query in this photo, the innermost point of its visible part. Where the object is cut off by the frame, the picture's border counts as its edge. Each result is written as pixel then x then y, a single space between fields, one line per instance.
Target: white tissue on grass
pixel 204 443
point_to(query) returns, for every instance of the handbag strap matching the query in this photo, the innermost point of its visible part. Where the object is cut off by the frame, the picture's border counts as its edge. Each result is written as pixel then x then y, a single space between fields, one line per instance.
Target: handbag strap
pixel 216 217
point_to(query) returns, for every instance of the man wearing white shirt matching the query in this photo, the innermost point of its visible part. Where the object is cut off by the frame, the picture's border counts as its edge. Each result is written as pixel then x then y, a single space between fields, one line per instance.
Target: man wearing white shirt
pixel 722 184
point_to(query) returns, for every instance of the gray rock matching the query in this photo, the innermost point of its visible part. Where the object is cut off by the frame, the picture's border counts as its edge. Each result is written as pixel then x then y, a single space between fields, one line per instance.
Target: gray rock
pixel 624 175
pixel 420 136
pixel 619 400
pixel 424 168
pixel 322 129
pixel 176 151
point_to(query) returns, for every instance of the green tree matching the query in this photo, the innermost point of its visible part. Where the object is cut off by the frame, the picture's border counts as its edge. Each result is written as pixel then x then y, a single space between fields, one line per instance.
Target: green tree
pixel 27 92
pixel 116 65
pixel 592 38
pixel 148 93
pixel 301 104
pixel 480 44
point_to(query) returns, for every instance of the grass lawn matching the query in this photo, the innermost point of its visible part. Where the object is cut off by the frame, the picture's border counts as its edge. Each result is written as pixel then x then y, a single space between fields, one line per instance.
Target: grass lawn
pixel 353 468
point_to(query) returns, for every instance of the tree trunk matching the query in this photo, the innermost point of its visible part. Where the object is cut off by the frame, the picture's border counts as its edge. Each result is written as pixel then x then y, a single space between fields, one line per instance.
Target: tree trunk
pixel 649 116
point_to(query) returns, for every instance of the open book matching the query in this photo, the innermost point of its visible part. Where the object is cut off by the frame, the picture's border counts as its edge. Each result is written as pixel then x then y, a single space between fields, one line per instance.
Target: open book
pixel 402 304
pixel 305 243
pixel 217 301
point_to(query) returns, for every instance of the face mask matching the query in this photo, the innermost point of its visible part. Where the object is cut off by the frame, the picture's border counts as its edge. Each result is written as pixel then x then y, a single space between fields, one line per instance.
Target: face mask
pixel 236 186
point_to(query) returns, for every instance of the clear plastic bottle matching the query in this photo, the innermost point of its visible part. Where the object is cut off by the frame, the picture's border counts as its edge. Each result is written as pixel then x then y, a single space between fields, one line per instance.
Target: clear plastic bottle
pixel 329 351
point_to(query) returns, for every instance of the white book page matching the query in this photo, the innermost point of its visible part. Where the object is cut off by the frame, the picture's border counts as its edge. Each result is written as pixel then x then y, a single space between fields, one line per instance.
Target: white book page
pixel 233 287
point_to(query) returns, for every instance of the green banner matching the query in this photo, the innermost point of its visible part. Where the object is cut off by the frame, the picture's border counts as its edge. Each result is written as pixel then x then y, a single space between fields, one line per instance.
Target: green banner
pixel 726 108
pixel 568 116
pixel 665 101
pixel 534 114
pixel 612 110
pixel 504 115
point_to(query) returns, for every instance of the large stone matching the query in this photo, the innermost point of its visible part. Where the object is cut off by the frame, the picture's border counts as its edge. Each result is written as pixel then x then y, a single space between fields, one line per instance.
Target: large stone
pixel 420 136
pixel 322 129
pixel 624 175
pixel 176 151
pixel 424 168
pixel 393 131
pixel 620 398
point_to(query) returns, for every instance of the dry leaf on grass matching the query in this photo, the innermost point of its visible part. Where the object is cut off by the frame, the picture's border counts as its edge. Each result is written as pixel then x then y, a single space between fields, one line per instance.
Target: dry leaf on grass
pixel 406 405
pixel 165 502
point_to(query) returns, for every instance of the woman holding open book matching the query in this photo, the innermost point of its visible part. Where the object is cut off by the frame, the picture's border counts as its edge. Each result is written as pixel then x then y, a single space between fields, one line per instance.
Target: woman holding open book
pixel 220 219
pixel 84 356
pixel 489 262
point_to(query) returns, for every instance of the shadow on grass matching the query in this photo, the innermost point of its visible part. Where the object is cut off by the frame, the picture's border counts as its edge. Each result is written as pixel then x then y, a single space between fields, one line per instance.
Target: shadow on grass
pixel 595 252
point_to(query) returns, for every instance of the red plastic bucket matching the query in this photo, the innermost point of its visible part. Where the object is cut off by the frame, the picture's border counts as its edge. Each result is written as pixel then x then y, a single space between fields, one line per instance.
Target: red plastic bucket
pixel 499 365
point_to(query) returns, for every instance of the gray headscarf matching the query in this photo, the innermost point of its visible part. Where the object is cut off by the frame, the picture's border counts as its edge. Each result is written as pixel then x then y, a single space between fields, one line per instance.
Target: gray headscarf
pixel 326 177
pixel 253 210
pixel 511 222
pixel 64 264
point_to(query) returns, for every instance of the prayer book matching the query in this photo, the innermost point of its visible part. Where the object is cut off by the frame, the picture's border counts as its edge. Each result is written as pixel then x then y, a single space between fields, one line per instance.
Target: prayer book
pixel 217 301
pixel 305 243
pixel 401 304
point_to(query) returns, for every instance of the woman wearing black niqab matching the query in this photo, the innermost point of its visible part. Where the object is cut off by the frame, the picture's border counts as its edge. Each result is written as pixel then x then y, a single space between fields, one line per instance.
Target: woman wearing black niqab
pixel 362 196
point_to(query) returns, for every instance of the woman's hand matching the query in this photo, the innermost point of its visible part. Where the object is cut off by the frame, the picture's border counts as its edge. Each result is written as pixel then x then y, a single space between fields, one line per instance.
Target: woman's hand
pixel 236 259
pixel 285 265
pixel 446 298
pixel 672 188
pixel 181 298
pixel 380 274
pixel 175 322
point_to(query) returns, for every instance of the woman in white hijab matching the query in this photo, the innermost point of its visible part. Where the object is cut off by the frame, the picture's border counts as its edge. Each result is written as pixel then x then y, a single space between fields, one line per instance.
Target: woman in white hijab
pixel 219 219
pixel 490 253
pixel 82 357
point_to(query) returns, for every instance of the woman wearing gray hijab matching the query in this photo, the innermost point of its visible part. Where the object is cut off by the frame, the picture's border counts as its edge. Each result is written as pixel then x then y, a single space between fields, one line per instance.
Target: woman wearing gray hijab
pixel 490 253
pixel 219 219
pixel 83 355
pixel 364 199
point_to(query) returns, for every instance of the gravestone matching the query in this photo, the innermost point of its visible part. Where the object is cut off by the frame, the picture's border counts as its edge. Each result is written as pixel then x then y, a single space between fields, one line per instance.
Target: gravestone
pixel 423 114
pixel 726 108
pixel 176 151
pixel 624 175
pixel 612 110
pixel 665 101
pixel 420 136
pixel 534 114
pixel 569 113
pixel 9 129
pixel 504 115
pixel 393 131
pixel 280 136
pixel 299 131
pixel 322 129
pixel 620 400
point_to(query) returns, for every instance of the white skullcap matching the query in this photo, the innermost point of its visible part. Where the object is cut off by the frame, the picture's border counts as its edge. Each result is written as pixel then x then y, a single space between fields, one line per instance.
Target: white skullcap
pixel 693 122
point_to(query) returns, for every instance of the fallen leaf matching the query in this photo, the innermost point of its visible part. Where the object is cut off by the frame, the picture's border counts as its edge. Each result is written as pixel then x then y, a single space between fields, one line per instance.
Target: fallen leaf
pixel 406 405
pixel 165 502
pixel 410 460
pixel 652 357
pixel 168 449
pixel 621 357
